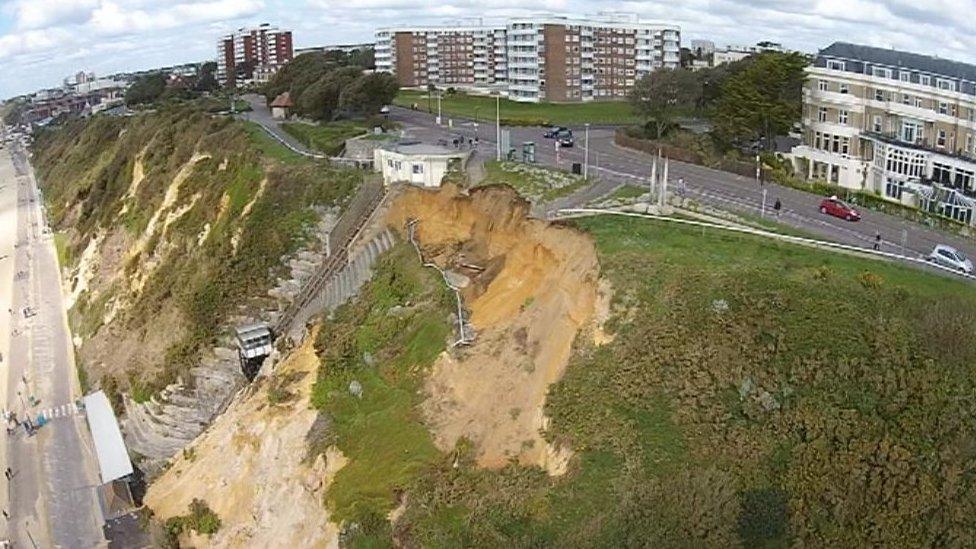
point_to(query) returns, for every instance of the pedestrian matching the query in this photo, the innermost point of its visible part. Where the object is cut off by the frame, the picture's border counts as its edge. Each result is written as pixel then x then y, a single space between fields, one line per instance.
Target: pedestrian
pixel 475 141
pixel 877 241
pixel 470 143
pixel 777 207
pixel 681 187
pixel 5 515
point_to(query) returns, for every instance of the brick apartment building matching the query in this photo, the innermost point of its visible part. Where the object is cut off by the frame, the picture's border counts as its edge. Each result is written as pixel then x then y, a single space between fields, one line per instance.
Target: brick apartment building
pixel 541 58
pixel 448 56
pixel 252 54
pixel 899 124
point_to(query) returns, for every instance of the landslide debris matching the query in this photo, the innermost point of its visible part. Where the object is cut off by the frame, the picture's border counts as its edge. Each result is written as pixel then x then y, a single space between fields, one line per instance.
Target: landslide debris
pixel 532 288
pixel 249 467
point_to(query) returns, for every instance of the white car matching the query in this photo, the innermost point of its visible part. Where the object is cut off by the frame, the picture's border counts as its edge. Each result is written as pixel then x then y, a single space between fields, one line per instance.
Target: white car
pixel 947 256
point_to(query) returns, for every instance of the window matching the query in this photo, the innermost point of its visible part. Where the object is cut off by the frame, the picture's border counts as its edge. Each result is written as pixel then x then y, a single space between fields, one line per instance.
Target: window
pixel 835 65
pixel 925 80
pixel 842 117
pixel 904 76
pixel 881 72
pixel 877 123
pixel 911 131
pixel 947 85
pixel 844 88
pixel 879 95
pixel 906 99
pixel 941 139
pixel 822 114
pixel 418 169
pixel 822 84
pixel 943 107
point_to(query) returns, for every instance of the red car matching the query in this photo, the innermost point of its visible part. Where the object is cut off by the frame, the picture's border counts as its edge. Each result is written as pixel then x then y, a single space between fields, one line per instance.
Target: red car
pixel 838 208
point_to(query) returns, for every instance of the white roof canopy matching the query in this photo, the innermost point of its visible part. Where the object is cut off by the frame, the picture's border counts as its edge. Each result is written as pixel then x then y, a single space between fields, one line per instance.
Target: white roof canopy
pixel 113 459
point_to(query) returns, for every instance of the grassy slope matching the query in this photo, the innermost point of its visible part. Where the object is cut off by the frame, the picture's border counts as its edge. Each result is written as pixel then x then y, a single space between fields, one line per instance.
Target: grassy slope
pixel 86 169
pixel 388 355
pixel 755 393
pixel 328 138
pixel 483 108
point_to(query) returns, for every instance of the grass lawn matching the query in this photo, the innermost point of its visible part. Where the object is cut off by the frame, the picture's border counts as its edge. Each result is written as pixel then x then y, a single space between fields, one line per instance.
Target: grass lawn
pixel 515 113
pixel 269 146
pixel 328 138
pixel 535 183
pixel 65 257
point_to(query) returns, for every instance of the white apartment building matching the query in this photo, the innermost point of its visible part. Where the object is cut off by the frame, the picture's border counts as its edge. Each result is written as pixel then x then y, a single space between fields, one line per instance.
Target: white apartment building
pixel 899 124
pixel 538 58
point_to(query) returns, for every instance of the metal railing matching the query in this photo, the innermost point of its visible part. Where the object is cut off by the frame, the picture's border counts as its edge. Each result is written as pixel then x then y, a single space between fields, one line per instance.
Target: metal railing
pixel 357 215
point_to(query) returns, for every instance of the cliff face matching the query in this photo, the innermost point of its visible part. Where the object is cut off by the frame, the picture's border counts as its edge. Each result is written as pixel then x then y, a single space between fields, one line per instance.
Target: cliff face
pixel 173 227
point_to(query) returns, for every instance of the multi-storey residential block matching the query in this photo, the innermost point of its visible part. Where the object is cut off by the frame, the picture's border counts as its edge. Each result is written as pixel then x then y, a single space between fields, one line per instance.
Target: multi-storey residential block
pixel 252 54
pixel 539 58
pixel 567 59
pixel 444 56
pixel 900 124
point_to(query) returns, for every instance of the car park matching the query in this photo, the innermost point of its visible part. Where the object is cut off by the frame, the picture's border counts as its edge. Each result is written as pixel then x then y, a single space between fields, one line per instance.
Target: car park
pixel 838 208
pixel 951 258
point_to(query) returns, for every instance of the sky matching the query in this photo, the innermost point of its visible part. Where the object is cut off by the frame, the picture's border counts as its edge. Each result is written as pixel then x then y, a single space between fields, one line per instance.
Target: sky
pixel 43 41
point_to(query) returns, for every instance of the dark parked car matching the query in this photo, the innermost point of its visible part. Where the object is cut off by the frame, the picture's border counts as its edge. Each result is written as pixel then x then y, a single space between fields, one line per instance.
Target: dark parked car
pixel 565 140
pixel 556 131
pixel 838 208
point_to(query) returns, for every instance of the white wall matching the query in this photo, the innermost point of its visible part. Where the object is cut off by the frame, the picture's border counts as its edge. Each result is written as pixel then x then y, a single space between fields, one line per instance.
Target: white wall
pixel 421 170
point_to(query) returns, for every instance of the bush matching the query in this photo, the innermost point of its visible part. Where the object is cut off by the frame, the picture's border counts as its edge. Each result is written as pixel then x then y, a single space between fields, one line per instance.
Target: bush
pixel 201 519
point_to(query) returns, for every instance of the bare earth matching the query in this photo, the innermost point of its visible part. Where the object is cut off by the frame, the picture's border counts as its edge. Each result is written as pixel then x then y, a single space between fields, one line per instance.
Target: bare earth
pixel 248 467
pixel 538 290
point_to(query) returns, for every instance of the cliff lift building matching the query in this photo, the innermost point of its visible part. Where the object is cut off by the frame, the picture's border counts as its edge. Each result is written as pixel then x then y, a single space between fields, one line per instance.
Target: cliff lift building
pixel 254 344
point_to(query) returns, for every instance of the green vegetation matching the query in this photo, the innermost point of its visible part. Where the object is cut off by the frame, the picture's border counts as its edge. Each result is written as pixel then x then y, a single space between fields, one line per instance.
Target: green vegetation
pixel 384 341
pixel 65 256
pixel 662 96
pixel 251 200
pixel 535 183
pixel 201 519
pixel 328 138
pixel 326 86
pixel 521 114
pixel 628 192
pixel 755 394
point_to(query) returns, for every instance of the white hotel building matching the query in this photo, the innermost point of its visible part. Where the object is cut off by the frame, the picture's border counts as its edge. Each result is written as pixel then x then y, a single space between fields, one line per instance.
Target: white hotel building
pixel 899 124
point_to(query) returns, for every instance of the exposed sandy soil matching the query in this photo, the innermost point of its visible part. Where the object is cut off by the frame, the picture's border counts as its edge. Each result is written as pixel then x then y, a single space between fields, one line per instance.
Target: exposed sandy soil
pixel 248 468
pixel 537 291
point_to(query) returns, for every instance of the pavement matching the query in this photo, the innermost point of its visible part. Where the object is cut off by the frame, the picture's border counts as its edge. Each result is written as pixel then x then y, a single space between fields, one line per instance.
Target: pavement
pixel 51 497
pixel 261 114
pixel 612 167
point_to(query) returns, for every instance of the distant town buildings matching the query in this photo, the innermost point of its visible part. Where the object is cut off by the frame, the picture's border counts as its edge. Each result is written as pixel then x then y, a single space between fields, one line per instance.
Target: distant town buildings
pixel 896 123
pixel 252 54
pixel 344 48
pixel 531 59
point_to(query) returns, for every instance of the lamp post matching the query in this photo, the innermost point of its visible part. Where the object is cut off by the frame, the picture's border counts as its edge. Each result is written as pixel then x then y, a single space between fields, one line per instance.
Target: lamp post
pixel 586 152
pixel 438 107
pixel 498 128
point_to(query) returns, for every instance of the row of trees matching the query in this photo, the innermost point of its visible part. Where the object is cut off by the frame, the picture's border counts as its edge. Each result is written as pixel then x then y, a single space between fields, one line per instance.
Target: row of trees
pixel 754 99
pixel 326 86
pixel 155 86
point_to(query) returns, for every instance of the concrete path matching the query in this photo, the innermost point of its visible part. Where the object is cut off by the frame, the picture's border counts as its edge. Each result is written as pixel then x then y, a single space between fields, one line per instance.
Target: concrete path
pixel 52 498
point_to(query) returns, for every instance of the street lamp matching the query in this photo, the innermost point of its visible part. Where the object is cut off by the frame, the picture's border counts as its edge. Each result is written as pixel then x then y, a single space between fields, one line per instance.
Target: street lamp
pixel 498 129
pixel 438 107
pixel 586 152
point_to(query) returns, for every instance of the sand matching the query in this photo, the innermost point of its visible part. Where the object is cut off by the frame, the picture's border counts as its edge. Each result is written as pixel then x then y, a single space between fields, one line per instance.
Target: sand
pixel 248 467
pixel 537 291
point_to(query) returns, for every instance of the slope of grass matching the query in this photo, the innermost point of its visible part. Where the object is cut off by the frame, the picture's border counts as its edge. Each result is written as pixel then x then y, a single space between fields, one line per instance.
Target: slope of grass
pixel 327 138
pixel 383 341
pixel 755 394
pixel 516 113
pixel 269 146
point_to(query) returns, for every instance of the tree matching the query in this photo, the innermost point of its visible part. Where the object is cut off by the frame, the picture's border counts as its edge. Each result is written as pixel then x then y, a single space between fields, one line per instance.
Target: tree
pixel 146 89
pixel 762 100
pixel 368 93
pixel 207 80
pixel 320 101
pixel 298 74
pixel 661 95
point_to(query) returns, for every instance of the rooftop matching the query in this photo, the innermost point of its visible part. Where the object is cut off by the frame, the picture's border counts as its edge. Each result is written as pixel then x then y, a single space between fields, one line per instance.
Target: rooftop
pixel 894 58
pixel 416 147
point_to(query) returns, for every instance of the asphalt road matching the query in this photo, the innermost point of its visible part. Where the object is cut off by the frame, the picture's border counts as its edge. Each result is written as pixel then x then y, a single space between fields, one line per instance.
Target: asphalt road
pixel 52 499
pixel 615 166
